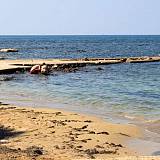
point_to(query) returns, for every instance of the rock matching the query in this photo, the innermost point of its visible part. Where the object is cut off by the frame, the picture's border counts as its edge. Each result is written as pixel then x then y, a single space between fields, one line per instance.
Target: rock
pixel 84 127
pixel 81 51
pixel 45 69
pixel 86 59
pixel 123 60
pixel 99 68
pixel 8 50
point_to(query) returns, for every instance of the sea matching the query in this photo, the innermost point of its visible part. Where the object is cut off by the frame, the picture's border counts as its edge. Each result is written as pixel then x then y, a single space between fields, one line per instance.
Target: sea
pixel 120 93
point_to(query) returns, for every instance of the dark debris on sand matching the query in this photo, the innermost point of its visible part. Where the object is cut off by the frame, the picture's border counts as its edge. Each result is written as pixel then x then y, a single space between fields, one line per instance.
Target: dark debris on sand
pixel 34 151
pixel 6 132
pixel 11 154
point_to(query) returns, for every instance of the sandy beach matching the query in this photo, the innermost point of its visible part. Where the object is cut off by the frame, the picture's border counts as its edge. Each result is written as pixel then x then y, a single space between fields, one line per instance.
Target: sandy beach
pixel 80 80
pixel 29 133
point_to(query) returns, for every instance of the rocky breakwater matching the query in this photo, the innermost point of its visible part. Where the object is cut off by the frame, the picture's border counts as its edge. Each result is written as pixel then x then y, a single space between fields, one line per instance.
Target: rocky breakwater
pixel 8 50
pixel 142 59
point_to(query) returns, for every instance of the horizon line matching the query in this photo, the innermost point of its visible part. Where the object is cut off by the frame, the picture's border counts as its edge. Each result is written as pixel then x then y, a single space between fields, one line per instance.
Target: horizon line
pixel 79 34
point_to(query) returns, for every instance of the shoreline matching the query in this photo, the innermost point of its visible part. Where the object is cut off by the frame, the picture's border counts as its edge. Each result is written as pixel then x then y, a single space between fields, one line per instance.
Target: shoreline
pixel 58 134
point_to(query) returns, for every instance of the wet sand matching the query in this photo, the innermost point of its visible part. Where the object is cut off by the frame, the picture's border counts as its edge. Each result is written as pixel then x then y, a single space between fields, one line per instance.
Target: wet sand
pixel 29 133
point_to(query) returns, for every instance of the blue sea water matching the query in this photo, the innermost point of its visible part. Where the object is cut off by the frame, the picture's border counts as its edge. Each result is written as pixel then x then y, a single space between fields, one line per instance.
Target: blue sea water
pixel 118 92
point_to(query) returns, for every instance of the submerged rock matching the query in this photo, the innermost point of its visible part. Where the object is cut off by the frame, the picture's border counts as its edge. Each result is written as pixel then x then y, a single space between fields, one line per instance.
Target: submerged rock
pixel 81 51
pixel 99 69
pixel 6 78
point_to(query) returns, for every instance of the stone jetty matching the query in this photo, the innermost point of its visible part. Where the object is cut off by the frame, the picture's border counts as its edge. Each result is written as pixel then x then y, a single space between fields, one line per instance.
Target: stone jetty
pixel 11 66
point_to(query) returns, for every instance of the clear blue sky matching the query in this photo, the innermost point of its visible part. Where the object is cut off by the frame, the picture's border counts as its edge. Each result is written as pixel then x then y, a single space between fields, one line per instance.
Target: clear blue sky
pixel 79 17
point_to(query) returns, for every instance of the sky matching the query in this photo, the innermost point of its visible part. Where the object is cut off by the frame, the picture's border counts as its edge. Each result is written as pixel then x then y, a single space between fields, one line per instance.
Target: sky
pixel 79 17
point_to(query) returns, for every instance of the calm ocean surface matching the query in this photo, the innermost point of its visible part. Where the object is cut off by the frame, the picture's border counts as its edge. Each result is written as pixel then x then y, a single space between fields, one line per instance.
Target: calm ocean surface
pixel 120 92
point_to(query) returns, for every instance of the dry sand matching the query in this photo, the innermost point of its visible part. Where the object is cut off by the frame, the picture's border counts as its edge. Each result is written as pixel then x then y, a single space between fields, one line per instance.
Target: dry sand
pixel 28 133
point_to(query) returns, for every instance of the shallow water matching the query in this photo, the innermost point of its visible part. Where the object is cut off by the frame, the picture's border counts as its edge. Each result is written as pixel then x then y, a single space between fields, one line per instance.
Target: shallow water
pixel 126 93
pixel 104 92
pixel 151 148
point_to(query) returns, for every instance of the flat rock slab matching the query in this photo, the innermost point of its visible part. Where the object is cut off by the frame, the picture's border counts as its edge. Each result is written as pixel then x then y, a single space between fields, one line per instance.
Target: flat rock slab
pixel 28 63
